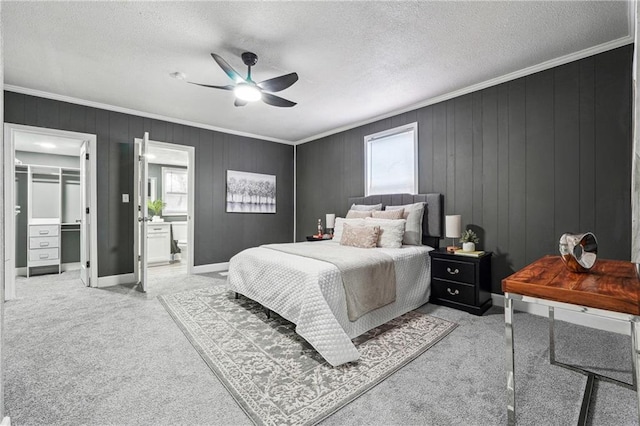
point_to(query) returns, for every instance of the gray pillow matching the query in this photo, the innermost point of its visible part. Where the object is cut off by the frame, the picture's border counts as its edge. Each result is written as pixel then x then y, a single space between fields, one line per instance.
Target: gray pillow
pixel 366 207
pixel 413 230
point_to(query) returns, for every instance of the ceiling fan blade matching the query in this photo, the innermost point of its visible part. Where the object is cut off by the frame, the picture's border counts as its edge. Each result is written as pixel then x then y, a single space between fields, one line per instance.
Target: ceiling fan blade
pixel 212 87
pixel 274 100
pixel 239 102
pixel 279 83
pixel 233 74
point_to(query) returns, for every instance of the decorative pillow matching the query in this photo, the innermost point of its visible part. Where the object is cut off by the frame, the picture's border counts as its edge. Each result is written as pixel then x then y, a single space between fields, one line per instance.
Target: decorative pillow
pixel 391 231
pixel 339 224
pixel 366 207
pixel 413 213
pixel 388 214
pixel 355 214
pixel 360 236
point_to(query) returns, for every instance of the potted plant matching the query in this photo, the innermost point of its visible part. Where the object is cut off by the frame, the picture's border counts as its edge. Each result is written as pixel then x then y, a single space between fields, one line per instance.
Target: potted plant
pixel 155 208
pixel 469 239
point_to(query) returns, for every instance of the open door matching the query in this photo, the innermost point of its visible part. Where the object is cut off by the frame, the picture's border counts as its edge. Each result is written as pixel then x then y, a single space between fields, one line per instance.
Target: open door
pixel 85 222
pixel 11 209
pixel 140 196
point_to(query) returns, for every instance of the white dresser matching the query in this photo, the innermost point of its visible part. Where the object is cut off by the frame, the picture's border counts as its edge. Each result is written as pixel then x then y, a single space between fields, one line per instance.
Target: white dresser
pixel 44 246
pixel 159 242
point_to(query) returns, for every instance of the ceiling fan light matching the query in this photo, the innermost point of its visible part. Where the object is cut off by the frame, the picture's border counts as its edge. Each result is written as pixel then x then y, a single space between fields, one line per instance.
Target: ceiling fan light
pixel 247 92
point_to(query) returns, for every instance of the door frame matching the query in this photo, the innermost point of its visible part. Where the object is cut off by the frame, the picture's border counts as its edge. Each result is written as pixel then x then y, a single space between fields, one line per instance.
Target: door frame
pixel 7 156
pixel 190 150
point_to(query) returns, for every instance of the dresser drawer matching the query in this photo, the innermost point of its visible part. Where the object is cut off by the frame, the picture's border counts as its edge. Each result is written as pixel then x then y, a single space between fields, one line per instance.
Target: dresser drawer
pixel 44 242
pixel 43 254
pixel 157 229
pixel 453 270
pixel 455 292
pixel 43 230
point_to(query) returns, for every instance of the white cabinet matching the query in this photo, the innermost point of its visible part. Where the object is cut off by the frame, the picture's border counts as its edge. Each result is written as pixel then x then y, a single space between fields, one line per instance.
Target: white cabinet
pixel 159 242
pixel 44 246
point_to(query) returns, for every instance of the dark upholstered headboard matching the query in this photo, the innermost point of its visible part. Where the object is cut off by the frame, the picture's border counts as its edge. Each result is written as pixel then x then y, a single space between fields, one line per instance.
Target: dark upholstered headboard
pixel 432 221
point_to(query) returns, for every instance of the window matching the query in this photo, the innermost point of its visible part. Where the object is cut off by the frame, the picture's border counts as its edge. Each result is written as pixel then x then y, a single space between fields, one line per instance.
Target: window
pixel 391 161
pixel 174 191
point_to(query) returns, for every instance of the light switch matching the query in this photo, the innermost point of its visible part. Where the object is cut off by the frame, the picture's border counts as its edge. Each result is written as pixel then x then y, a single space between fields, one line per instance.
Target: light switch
pixel 125 198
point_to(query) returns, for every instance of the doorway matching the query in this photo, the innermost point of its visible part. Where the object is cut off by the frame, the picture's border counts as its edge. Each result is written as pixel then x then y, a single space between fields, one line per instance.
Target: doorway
pixel 164 191
pixel 49 178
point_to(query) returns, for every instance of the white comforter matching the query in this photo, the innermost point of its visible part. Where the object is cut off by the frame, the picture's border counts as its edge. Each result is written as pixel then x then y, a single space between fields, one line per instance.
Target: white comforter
pixel 310 294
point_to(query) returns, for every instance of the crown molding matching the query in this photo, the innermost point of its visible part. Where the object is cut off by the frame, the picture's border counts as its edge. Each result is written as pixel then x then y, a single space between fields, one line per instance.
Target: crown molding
pixel 623 41
pixel 614 44
pixel 63 98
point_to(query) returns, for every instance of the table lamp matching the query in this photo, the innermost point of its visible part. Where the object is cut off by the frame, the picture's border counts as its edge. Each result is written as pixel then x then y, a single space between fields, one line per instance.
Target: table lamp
pixel 452 230
pixel 330 221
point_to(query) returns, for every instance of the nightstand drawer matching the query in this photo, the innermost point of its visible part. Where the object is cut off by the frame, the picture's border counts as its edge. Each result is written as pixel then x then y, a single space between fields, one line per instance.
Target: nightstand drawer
pixel 455 292
pixel 453 270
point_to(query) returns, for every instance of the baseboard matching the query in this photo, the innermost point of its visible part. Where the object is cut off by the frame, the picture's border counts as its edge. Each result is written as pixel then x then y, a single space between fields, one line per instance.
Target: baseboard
pixel 111 280
pixel 70 266
pixel 212 267
pixel 621 327
pixel 22 271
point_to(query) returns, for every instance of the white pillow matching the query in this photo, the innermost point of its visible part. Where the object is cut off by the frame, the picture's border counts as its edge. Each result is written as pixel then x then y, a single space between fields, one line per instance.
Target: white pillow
pixel 366 207
pixel 413 213
pixel 359 214
pixel 391 231
pixel 339 225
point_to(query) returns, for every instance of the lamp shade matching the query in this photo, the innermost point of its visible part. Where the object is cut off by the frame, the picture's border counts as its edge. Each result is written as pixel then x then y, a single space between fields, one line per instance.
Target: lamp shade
pixel 330 220
pixel 453 223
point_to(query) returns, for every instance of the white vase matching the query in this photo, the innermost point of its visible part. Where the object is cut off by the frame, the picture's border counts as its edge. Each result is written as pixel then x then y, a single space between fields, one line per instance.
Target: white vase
pixel 157 219
pixel 468 247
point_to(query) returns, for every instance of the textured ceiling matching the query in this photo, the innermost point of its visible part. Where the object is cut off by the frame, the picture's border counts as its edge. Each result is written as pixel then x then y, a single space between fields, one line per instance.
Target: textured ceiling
pixel 356 60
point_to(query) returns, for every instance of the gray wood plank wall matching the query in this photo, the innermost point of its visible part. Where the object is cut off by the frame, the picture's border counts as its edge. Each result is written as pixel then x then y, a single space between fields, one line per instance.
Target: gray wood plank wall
pixel 218 235
pixel 522 162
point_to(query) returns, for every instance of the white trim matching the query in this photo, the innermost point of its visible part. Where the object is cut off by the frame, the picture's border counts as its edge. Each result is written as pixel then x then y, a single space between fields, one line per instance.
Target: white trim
pixel 73 266
pixel 623 41
pixel 295 192
pixel 631 18
pixel 370 139
pixel 8 187
pixel 64 98
pixel 191 193
pixel 590 51
pixel 6 421
pixel 112 280
pixel 212 267
pixel 600 323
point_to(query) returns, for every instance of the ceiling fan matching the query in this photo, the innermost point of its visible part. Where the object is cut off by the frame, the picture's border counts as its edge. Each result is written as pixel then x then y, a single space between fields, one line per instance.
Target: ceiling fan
pixel 246 90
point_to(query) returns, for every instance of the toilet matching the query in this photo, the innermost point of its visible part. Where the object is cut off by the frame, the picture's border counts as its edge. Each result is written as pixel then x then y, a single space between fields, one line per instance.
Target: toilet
pixel 180 234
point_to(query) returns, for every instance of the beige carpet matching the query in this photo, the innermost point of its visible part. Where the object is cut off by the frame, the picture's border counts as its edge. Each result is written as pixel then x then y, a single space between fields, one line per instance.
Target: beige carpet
pixel 274 375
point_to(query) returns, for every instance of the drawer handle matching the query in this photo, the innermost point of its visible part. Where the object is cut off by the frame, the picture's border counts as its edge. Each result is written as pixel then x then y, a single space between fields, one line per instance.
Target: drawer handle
pixel 157 229
pixel 44 244
pixel 43 232
pixel 453 293
pixel 454 272
pixel 44 256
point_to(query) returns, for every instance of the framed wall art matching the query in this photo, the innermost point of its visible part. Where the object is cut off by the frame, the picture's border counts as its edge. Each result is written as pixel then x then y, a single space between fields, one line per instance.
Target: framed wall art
pixel 250 192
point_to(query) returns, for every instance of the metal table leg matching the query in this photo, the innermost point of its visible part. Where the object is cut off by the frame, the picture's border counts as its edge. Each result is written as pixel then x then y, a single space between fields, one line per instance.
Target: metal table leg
pixel 511 385
pixel 635 359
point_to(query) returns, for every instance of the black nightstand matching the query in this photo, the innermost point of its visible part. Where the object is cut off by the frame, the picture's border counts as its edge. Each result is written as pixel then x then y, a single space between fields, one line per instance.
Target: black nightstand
pixel 461 282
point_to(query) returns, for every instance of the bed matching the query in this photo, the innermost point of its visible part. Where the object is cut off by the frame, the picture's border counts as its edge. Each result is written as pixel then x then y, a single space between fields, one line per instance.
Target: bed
pixel 310 293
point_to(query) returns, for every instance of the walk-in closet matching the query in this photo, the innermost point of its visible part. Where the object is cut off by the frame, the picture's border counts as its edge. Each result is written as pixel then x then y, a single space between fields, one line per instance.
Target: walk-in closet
pixel 48 212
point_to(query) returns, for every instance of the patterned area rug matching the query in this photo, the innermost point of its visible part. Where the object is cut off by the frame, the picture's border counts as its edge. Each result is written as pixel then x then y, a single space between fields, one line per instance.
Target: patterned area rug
pixel 274 374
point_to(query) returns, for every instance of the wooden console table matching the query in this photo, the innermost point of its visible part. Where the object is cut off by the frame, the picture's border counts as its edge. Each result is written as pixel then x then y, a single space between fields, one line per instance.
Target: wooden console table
pixel 610 289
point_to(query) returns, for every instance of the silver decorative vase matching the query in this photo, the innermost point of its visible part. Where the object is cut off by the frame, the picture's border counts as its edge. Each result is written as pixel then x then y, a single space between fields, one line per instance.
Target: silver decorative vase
pixel 578 251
